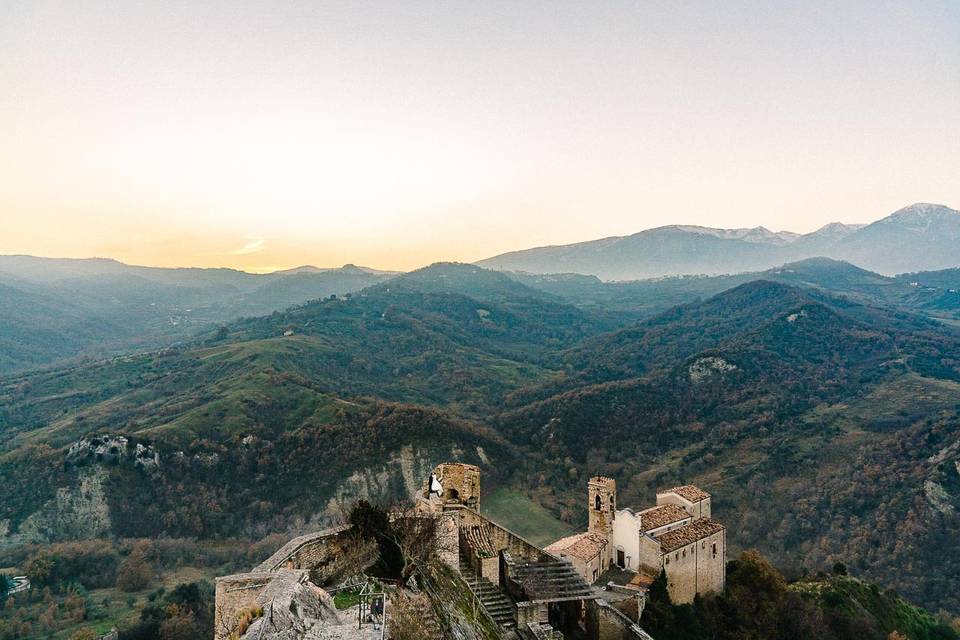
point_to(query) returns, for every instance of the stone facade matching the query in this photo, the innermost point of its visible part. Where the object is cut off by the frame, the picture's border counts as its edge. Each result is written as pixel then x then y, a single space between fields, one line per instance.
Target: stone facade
pixel 602 495
pixel 604 622
pixel 698 567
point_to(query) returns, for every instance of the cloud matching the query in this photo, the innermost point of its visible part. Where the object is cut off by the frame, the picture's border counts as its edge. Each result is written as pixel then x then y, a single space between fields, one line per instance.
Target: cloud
pixel 254 245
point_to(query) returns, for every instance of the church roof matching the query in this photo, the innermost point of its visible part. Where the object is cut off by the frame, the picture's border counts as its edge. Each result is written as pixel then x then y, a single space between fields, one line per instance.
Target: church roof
pixel 688 534
pixel 656 517
pixel 584 546
pixel 688 492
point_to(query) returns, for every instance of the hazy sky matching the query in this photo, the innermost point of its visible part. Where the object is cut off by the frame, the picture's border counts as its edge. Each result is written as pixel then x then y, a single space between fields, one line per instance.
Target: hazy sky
pixel 263 135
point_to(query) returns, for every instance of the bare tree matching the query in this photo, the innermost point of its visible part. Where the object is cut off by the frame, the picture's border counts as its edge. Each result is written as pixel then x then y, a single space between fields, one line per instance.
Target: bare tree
pixel 415 538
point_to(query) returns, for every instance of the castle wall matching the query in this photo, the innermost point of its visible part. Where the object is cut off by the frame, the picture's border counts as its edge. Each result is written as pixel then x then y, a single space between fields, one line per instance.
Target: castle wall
pixel 695 568
pixel 503 539
pixel 328 555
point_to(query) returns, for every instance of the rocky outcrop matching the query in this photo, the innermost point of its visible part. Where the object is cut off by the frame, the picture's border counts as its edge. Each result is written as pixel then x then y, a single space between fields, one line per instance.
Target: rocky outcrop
pixel 292 607
pixel 113 449
pixel 709 366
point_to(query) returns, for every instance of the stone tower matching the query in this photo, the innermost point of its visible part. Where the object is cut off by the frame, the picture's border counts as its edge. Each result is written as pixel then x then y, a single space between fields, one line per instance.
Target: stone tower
pixel 602 493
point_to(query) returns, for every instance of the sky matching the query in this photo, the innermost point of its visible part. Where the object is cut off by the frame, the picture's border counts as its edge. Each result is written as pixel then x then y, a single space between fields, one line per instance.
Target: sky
pixel 265 135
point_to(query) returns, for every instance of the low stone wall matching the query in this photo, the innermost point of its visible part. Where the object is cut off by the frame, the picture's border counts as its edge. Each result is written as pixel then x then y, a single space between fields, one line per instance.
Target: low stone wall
pixel 304 552
pixel 330 555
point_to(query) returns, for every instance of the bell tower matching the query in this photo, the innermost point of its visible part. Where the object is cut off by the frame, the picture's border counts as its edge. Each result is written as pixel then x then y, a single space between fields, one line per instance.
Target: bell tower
pixel 602 495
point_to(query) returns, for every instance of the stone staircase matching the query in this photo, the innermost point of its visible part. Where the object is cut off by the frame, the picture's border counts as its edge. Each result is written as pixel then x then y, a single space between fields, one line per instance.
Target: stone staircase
pixel 551 580
pixel 497 604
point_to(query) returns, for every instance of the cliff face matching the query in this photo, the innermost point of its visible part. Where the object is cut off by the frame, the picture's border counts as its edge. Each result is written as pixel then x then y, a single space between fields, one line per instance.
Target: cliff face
pixel 76 512
pixel 400 477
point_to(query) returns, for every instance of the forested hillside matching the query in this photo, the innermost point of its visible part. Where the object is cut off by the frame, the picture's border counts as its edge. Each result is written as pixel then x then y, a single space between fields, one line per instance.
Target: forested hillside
pixel 824 425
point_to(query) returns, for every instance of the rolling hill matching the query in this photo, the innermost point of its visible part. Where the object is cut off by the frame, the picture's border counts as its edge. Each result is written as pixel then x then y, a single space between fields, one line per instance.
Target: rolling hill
pixel 826 428
pixel 932 293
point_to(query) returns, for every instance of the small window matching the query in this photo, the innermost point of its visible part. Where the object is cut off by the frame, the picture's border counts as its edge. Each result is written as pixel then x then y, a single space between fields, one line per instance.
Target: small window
pixel 676 556
pixel 714 549
pixel 684 553
pixel 597 503
pixel 667 560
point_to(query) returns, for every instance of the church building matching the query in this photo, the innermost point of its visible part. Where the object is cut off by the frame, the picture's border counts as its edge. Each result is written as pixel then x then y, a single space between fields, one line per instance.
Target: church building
pixel 677 535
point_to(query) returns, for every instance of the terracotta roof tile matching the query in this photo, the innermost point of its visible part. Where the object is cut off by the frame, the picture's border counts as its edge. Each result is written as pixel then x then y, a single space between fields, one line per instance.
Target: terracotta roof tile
pixel 585 546
pixel 688 491
pixel 656 517
pixel 687 534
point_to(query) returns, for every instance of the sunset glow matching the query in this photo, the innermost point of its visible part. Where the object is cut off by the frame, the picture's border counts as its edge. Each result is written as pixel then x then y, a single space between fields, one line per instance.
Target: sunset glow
pixel 267 135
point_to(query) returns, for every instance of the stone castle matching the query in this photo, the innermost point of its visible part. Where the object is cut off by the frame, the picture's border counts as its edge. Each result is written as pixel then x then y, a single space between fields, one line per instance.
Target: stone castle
pixel 676 536
pixel 488 582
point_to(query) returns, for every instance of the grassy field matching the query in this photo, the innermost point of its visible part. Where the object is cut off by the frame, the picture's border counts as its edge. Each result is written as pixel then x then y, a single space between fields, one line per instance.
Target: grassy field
pixel 522 515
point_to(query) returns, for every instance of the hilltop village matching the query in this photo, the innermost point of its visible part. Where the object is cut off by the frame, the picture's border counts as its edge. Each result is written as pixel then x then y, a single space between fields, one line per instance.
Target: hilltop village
pixel 483 581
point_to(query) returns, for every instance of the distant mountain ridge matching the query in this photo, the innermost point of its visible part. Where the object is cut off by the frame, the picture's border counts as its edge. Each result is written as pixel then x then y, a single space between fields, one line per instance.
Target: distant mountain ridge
pixel 920 237
pixel 55 309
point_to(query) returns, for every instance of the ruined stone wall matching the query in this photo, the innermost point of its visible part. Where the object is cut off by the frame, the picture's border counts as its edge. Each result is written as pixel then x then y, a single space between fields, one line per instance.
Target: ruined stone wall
pixel 604 622
pixel 503 539
pixel 695 569
pixel 448 540
pixel 460 482
pixel 326 556
pixel 532 613
pixel 234 594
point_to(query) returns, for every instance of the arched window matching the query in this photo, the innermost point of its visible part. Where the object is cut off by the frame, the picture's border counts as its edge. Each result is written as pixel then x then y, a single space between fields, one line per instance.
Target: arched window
pixel 597 503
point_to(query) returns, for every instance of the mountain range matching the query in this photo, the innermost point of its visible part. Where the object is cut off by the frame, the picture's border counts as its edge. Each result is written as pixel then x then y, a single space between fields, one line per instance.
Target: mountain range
pixel 919 237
